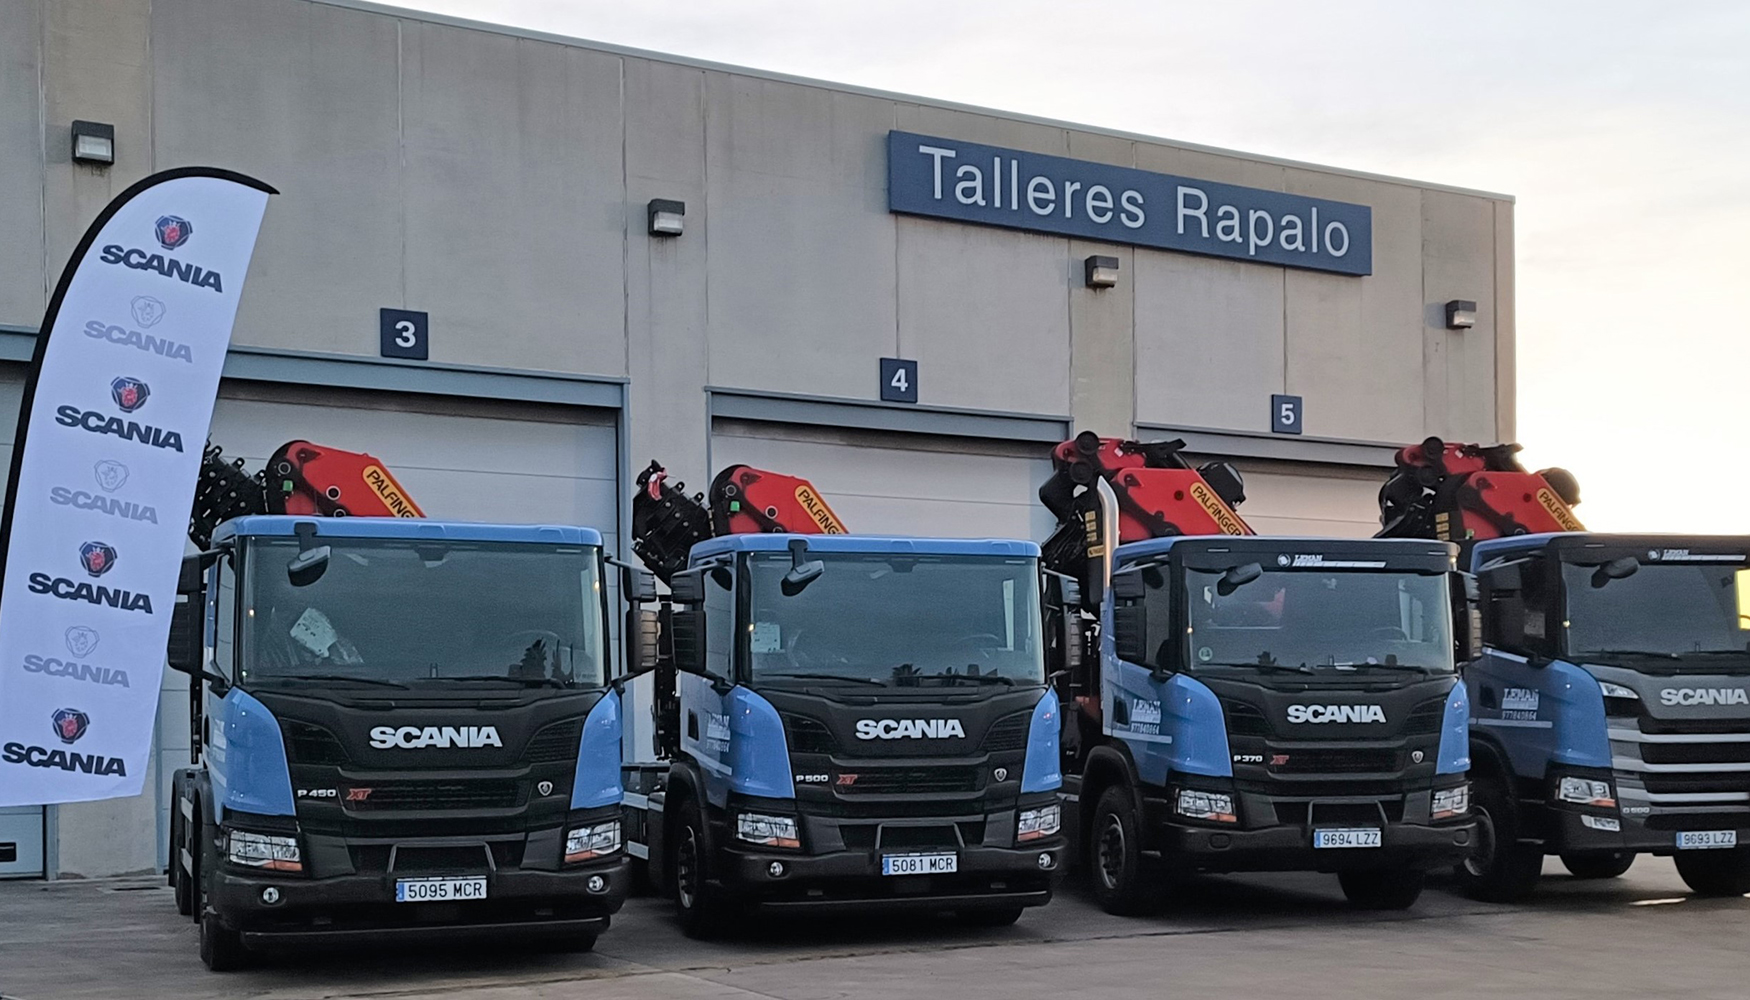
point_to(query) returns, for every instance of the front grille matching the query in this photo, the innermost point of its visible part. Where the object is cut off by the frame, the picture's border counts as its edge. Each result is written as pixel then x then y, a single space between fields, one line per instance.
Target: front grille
pixel 1712 817
pixel 497 793
pixel 1335 760
pixel 1009 733
pixel 1426 718
pixel 1696 753
pixel 1649 724
pixel 369 858
pixel 555 744
pixel 1244 719
pixel 1301 812
pixel 310 744
pixel 1677 784
pixel 919 780
pixel 807 735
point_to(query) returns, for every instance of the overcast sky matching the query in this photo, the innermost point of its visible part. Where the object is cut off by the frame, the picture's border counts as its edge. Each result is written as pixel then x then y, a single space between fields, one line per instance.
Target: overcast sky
pixel 1623 130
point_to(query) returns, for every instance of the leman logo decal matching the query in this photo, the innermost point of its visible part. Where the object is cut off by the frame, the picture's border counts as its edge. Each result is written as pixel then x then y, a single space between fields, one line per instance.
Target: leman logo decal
pixel 111 475
pixel 81 640
pixel 173 231
pixel 1319 714
pixel 1704 696
pixel 98 558
pixel 162 346
pixel 127 430
pixel 70 724
pixel 147 310
pixel 426 737
pixel 129 393
pixel 909 729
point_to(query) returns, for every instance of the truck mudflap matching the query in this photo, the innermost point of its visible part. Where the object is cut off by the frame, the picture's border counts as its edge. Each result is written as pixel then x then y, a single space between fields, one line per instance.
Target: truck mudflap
pixel 1290 848
pixel 286 910
pixel 986 878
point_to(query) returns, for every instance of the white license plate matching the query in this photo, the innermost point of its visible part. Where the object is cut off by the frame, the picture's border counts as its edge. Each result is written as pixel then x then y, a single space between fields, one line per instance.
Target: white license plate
pixel 439 890
pixel 1703 839
pixel 1346 838
pixel 919 864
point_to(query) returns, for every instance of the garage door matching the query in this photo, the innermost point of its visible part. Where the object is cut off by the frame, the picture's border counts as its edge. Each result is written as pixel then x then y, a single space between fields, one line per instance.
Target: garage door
pixel 1319 501
pixel 465 460
pixel 902 484
pixel 21 827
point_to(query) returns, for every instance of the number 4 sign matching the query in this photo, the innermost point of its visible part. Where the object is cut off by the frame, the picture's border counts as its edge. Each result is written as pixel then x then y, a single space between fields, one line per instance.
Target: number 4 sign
pixel 1285 414
pixel 404 334
pixel 899 380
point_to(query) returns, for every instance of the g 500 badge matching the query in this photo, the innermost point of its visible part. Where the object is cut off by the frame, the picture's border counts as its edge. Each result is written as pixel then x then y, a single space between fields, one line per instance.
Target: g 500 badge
pixel 393 496
pixel 823 517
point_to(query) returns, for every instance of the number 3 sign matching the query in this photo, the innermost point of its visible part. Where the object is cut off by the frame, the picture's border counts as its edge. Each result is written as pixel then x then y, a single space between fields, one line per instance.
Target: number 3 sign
pixel 405 334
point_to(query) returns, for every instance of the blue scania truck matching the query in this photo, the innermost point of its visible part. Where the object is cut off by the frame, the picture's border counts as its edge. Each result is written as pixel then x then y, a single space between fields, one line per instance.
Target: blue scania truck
pixel 1612 708
pixel 401 728
pixel 846 722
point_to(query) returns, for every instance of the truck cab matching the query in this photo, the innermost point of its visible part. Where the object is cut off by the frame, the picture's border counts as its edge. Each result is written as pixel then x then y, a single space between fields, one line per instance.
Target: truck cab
pixel 402 728
pixel 851 723
pixel 1611 708
pixel 1268 703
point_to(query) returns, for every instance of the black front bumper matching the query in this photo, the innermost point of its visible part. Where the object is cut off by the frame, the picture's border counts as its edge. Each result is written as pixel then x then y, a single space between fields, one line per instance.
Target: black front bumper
pixel 987 878
pixel 1569 830
pixel 519 902
pixel 1289 848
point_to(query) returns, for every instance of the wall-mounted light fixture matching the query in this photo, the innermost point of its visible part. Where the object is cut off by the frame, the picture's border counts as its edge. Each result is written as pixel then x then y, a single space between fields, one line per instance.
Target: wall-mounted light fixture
pixel 93 143
pixel 1100 272
pixel 1461 314
pixel 666 216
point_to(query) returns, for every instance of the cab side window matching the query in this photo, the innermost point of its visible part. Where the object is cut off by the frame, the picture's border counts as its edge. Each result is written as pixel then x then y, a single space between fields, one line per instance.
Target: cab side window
pixel 1518 600
pixel 224 612
pixel 720 622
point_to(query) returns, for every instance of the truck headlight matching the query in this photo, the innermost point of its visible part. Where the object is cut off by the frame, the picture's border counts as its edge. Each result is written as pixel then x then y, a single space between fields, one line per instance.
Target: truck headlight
pixel 1586 792
pixel 597 840
pixel 1617 691
pixel 767 831
pixel 1450 802
pixel 1035 824
pixel 261 850
pixel 1214 806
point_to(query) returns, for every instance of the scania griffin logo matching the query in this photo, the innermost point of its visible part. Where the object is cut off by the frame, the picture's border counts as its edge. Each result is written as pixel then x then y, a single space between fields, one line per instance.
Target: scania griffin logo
pixel 129 393
pixel 427 737
pixel 1335 713
pixel 111 475
pixel 1704 696
pixel 98 558
pixel 81 640
pixel 173 231
pixel 909 729
pixel 70 724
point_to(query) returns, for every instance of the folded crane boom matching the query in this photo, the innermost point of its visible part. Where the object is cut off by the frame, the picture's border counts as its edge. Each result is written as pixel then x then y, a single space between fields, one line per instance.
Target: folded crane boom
pixel 299 478
pixel 1467 493
pixel 742 500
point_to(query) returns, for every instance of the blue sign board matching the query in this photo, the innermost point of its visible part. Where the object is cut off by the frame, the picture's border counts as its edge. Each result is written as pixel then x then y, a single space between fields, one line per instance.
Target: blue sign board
pixel 403 333
pixel 1285 414
pixel 899 380
pixel 970 182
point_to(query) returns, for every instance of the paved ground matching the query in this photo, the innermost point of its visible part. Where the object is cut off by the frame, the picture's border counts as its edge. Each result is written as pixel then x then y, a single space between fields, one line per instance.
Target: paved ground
pixel 1292 936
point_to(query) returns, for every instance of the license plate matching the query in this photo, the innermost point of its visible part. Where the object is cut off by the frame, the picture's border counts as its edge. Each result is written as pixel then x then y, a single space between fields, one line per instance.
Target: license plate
pixel 1703 839
pixel 919 864
pixel 439 890
pixel 1346 838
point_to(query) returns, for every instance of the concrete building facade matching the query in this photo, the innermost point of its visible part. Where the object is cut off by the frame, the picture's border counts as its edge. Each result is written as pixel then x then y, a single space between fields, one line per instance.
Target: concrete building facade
pixel 500 182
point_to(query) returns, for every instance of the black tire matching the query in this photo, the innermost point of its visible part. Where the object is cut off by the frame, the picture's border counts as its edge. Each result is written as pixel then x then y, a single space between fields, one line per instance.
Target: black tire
pixel 1715 872
pixel 1115 862
pixel 991 918
pixel 222 949
pixel 1500 869
pixel 697 901
pixel 1597 864
pixel 1382 888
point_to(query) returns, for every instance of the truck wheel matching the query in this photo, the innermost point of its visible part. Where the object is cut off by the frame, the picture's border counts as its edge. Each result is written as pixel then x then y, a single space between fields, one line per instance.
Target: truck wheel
pixel 1715 873
pixel 1597 864
pixel 696 902
pixel 1115 855
pixel 1382 888
pixel 1499 869
pixel 990 918
pixel 221 948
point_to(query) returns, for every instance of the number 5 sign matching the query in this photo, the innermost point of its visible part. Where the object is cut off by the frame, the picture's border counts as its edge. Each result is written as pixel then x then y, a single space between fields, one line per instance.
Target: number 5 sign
pixel 1285 414
pixel 899 380
pixel 405 334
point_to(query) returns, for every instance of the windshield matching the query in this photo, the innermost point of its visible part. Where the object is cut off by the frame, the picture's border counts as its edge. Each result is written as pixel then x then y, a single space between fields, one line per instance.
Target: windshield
pixel 426 614
pixel 1309 621
pixel 898 620
pixel 1669 609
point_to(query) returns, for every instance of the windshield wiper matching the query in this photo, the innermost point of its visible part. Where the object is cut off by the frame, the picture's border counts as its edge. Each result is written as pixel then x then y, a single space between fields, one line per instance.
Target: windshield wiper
pixel 1713 652
pixel 1656 654
pixel 1282 668
pixel 342 677
pixel 980 678
pixel 524 681
pixel 807 676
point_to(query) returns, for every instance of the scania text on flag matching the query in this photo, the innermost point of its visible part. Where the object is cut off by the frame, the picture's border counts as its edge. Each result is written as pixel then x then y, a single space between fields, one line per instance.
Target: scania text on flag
pixel 115 413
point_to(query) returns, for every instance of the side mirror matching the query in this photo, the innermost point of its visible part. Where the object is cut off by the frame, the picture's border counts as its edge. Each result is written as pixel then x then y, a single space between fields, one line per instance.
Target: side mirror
pixel 1128 584
pixel 1130 632
pixel 643 630
pixel 1238 577
pixel 308 566
pixel 801 573
pixel 184 650
pixel 1503 577
pixel 639 586
pixel 1615 569
pixel 1467 625
pixel 688 587
pixel 1069 592
pixel 686 630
